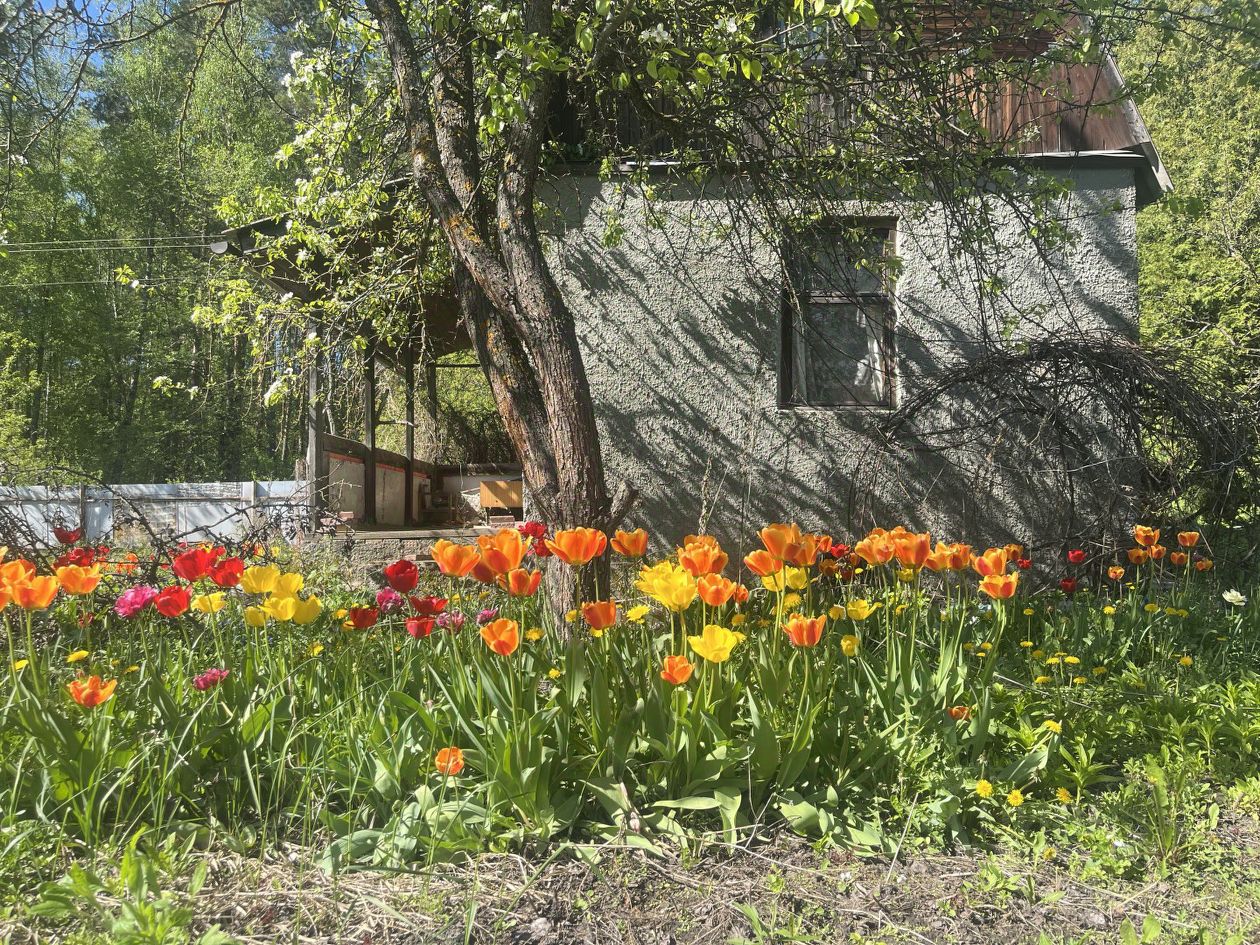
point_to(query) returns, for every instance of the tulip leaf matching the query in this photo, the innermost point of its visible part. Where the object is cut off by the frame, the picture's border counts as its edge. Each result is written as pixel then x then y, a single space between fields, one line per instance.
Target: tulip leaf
pixel 691 803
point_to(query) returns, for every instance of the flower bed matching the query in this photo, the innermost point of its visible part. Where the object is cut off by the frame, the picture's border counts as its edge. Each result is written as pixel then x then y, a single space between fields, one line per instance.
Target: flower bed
pixel 895 691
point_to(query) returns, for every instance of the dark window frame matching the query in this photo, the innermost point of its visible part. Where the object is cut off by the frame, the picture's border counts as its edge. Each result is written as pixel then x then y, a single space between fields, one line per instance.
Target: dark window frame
pixel 789 343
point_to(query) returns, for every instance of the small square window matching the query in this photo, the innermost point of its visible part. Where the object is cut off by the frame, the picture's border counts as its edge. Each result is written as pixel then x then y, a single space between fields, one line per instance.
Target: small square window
pixel 838 342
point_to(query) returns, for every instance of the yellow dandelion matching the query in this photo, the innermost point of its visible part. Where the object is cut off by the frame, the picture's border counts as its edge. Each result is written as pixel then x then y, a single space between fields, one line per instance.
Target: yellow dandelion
pixel 1072 660
pixel 1026 644
pixel 1151 608
pixel 1015 798
pixel 1109 610
pixel 1186 660
pixel 1050 725
pixel 76 656
pixel 131 669
pixel 1052 661
pixel 1064 795
pixel 1028 612
pixel 533 634
pixel 738 620
pixel 571 616
pixel 553 673
pixel 1099 670
pixel 315 649
pixel 638 613
pixel 19 665
pixel 1041 680
pixel 1038 654
pixel 984 788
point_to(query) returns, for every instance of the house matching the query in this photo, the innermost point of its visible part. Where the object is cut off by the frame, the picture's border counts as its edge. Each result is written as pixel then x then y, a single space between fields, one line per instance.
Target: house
pixel 741 378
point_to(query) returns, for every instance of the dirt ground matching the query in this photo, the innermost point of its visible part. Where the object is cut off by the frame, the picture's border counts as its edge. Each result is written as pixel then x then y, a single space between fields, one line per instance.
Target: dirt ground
pixel 780 891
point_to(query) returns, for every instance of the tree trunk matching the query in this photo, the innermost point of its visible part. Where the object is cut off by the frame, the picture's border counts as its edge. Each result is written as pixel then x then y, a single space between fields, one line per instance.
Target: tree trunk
pixel 523 332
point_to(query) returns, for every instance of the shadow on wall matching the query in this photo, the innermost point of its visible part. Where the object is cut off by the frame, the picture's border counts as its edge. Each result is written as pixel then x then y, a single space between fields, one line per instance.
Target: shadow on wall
pixel 680 326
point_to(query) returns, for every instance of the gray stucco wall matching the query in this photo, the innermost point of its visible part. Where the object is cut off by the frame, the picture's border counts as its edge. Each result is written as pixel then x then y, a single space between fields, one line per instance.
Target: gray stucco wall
pixel 680 326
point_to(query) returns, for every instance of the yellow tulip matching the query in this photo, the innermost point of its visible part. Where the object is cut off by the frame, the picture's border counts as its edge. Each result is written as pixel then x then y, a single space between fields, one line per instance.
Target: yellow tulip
pixel 287 585
pixel 306 611
pixel 210 603
pixel 255 617
pixel 668 584
pixel 76 656
pixel 260 579
pixel 849 645
pixel 859 610
pixel 19 665
pixel 715 643
pixel 280 608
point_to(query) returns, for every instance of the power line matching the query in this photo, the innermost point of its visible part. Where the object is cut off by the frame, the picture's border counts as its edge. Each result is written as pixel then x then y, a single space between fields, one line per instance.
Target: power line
pixel 5 251
pixel 113 239
pixel 146 284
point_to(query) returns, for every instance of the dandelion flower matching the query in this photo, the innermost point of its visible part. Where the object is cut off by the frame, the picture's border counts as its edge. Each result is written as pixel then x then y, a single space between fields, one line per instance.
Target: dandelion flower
pixel 1064 795
pixel 76 656
pixel 984 788
pixel 1015 798
pixel 1051 725
pixel 1186 660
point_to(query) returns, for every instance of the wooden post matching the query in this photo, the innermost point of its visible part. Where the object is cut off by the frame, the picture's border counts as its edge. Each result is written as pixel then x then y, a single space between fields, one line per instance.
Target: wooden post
pixel 430 391
pixel 369 432
pixel 409 381
pixel 316 458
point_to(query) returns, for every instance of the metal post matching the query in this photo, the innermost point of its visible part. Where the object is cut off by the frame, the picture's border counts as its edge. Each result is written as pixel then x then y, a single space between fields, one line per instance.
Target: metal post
pixel 409 381
pixel 316 458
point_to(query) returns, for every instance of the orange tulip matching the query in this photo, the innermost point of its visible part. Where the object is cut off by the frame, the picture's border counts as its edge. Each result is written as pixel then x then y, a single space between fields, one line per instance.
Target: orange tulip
pixel 1179 558
pixel 449 762
pixel 455 560
pixel 78 580
pixel 521 583
pixel 776 538
pixel 912 550
pixel 483 572
pixel 762 563
pixel 939 559
pixel 992 562
pixel 999 586
pixel 600 614
pixel 875 549
pixel 17 571
pixel 503 551
pixel 1145 536
pixel 5 597
pixel 788 543
pixel 35 594
pixel 804 631
pixel 741 594
pixel 1115 572
pixel 715 590
pixel 959 557
pixel 676 670
pixel 1157 552
pixel 630 544
pixel 1204 564
pixel 91 692
pixel 128 563
pixel 1138 556
pixel 960 713
pixel 1013 551
pixel 1187 539
pixel 700 558
pixel 503 636
pixel 577 546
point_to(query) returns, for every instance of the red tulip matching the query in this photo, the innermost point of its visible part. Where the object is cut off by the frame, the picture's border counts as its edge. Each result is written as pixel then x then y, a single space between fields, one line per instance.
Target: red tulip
pixel 67 536
pixel 193 565
pixel 172 601
pixel 1076 556
pixel 402 576
pixel 227 573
